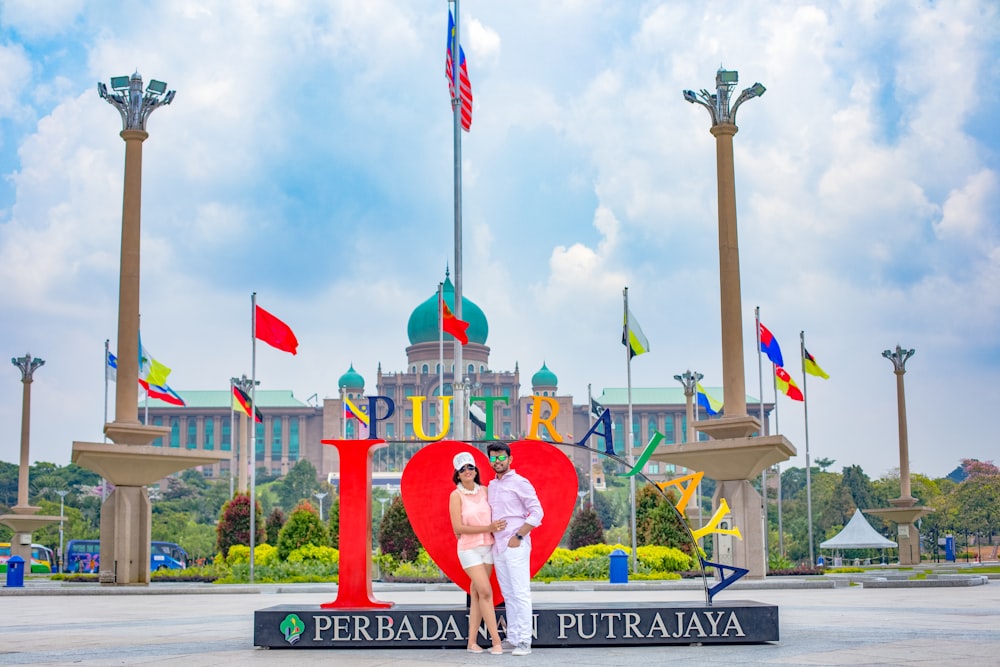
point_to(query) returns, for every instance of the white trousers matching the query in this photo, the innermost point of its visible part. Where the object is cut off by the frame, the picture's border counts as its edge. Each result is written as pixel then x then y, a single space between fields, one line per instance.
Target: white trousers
pixel 513 569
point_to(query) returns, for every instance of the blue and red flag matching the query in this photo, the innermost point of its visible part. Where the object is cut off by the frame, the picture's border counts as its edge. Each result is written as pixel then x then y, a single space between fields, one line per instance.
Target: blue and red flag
pixel 464 94
pixel 162 392
pixel 769 345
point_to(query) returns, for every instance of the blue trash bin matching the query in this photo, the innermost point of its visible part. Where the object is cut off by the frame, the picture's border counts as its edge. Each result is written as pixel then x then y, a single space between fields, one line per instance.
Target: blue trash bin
pixel 15 572
pixel 619 566
pixel 949 548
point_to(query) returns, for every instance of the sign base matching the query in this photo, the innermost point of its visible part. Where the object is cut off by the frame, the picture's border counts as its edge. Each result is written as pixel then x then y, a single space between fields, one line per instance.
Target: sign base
pixel 556 625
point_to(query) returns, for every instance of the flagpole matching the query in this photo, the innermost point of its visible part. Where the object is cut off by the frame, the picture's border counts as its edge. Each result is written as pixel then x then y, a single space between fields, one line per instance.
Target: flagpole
pixel 232 433
pixel 805 410
pixel 781 541
pixel 760 382
pixel 107 357
pixel 107 365
pixel 631 435
pixel 590 463
pixel 441 355
pixel 253 428
pixel 461 411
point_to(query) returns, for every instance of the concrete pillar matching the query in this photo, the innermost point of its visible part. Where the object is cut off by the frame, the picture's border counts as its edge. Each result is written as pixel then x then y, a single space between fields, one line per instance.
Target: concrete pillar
pixel 733 382
pixel 905 496
pixel 126 392
pixel 126 518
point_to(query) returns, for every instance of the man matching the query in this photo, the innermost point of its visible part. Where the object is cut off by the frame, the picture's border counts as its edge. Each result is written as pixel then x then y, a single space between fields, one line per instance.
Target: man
pixel 513 499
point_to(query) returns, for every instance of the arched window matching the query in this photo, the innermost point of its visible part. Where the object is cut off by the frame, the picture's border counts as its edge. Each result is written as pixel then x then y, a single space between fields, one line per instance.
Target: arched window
pixel 424 369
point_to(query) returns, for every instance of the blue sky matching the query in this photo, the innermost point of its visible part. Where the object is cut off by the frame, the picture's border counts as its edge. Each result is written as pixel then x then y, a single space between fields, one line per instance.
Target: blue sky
pixel 308 157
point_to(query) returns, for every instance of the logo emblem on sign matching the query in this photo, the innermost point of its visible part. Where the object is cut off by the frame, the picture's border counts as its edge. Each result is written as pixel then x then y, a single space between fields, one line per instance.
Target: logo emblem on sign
pixel 292 627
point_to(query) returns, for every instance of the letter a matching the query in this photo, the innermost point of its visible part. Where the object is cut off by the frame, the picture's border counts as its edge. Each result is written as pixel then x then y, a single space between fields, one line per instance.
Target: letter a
pixel 713 525
pixel 604 421
pixel 686 491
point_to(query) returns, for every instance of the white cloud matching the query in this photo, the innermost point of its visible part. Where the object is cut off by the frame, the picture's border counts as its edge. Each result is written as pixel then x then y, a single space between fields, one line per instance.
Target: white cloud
pixel 308 157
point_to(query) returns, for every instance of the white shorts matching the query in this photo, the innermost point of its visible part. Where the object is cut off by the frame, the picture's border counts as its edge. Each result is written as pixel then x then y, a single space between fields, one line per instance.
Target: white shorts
pixel 476 556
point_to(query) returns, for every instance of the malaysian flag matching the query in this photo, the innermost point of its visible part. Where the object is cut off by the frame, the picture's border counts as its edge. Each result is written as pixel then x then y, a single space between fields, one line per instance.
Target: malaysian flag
pixel 465 88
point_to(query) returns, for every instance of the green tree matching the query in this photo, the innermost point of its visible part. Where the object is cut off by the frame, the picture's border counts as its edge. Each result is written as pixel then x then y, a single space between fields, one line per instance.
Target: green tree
pixel 298 484
pixel 610 507
pixel 585 528
pixel 303 527
pixel 395 535
pixel 234 525
pixel 858 486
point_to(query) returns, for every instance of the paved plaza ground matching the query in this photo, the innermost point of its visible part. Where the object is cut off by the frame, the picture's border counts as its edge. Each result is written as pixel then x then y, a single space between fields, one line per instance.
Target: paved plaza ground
pixel 175 624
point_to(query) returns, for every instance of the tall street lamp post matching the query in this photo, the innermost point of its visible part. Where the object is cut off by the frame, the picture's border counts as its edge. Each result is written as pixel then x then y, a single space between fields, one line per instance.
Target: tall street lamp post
pixel 62 498
pixel 130 462
pixel 320 496
pixel 733 457
pixel 27 365
pixel 25 518
pixel 904 511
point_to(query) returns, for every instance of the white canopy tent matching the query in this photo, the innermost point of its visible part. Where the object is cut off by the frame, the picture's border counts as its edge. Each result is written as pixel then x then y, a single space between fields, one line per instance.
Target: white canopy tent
pixel 857 534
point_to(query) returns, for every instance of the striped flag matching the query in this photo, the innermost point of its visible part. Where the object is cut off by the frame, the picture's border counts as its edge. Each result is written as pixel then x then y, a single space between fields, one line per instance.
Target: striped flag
pixel 712 406
pixel 465 86
pixel 241 401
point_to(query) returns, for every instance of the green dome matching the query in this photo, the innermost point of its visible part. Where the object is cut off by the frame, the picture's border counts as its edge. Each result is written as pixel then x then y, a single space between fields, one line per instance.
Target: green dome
pixel 351 380
pixel 423 326
pixel 544 378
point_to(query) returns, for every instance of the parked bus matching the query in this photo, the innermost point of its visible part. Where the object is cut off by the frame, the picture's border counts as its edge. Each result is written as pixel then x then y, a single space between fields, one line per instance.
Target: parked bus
pixel 43 559
pixel 85 556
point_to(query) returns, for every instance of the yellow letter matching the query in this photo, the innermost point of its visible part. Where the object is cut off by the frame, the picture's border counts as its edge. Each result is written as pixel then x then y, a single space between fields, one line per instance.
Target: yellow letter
pixel 686 491
pixel 536 418
pixel 716 520
pixel 418 417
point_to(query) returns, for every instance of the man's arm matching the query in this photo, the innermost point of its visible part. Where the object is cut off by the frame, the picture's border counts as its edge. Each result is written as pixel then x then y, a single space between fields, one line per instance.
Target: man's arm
pixel 526 494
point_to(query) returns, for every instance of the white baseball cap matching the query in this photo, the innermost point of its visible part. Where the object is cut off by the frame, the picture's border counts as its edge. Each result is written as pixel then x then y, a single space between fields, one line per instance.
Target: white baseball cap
pixel 463 459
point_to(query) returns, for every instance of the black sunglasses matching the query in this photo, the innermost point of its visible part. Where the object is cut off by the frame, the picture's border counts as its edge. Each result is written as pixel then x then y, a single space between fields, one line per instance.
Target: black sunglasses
pixel 467 466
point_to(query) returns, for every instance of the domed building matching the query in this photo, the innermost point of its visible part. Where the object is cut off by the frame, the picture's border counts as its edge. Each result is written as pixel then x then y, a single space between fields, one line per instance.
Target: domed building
pixel 292 430
pixel 424 375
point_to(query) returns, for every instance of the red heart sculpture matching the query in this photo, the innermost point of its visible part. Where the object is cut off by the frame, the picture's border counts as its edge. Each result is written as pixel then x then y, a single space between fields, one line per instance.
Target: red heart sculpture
pixel 426 485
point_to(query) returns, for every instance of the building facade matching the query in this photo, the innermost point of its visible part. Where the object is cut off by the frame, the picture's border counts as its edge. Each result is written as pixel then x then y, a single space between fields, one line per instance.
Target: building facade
pixel 293 430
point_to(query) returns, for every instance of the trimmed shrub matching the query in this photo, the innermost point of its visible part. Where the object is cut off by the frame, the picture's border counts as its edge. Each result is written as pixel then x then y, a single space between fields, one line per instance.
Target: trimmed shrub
pixel 234 524
pixel 395 536
pixel 302 528
pixel 585 528
pixel 319 554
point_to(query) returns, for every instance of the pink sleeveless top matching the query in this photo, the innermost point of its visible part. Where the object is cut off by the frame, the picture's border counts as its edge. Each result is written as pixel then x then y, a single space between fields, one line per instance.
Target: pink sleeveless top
pixel 475 512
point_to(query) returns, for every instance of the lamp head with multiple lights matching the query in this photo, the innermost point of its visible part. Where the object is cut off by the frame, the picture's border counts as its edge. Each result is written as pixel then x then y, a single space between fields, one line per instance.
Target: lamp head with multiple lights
pixel 134 106
pixel 717 103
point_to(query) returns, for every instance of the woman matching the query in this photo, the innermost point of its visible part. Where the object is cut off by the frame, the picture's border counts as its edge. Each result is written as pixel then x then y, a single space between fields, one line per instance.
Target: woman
pixel 473 525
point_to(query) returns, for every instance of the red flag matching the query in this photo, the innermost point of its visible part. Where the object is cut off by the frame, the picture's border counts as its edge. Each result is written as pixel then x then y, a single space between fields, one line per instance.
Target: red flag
pixel 787 384
pixel 453 325
pixel 274 332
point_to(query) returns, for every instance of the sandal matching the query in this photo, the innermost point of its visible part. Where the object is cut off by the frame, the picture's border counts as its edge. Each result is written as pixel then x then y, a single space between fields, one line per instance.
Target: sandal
pixel 497 649
pixel 474 649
